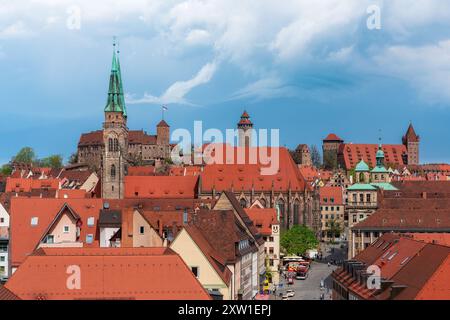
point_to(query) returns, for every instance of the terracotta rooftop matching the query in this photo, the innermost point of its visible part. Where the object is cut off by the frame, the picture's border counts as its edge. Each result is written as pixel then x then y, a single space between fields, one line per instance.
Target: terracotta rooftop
pixel 353 153
pixel 331 196
pixel 332 137
pixel 263 219
pixel 107 273
pixel 160 187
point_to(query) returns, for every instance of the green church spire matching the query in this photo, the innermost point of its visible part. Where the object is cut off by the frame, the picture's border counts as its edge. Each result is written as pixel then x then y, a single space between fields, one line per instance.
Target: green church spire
pixel 116 99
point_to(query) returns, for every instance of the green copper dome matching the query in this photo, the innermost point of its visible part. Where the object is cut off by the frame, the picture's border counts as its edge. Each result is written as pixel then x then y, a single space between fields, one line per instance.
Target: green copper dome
pixel 362 167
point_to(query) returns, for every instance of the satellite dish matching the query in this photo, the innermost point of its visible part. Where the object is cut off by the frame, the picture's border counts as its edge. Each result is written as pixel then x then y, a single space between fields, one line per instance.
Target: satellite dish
pixel 106 205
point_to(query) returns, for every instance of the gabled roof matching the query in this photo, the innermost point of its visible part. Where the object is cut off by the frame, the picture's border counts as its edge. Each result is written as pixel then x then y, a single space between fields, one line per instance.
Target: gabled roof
pixel 410 135
pixel 250 174
pixel 162 123
pixel 107 273
pixel 24 209
pixel 263 219
pixel 215 258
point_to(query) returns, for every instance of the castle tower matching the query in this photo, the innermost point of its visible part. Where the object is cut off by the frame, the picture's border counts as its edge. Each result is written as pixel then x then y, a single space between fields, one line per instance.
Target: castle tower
pixel 115 135
pixel 303 155
pixel 412 141
pixel 330 148
pixel 245 127
pixel 162 133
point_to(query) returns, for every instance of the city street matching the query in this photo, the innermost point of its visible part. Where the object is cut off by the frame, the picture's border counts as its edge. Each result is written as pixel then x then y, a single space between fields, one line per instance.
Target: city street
pixel 309 289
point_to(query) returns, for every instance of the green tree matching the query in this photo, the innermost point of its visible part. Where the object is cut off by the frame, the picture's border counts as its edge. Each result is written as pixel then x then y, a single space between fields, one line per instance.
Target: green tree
pixel 25 155
pixel 316 159
pixel 298 240
pixel 54 161
pixel 334 229
pixel 6 169
pixel 73 158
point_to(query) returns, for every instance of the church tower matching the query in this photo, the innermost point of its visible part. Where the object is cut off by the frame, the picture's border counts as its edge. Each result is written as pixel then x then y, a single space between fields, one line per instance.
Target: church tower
pixel 245 128
pixel 411 141
pixel 115 135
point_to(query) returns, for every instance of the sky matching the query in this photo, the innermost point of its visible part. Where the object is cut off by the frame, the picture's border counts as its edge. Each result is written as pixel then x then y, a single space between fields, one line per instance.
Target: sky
pixel 352 67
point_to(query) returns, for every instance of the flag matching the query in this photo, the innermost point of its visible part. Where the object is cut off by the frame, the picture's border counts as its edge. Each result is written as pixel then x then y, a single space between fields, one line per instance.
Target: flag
pixel 164 108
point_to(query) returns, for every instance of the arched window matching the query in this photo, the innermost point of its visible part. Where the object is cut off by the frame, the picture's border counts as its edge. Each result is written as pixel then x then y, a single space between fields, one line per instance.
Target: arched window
pixel 280 204
pixel 110 144
pixel 116 145
pixel 361 177
pixel 113 171
pixel 296 212
pixel 243 203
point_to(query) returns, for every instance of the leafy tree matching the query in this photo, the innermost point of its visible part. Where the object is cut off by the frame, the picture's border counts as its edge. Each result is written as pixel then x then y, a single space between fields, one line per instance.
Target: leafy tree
pixel 298 240
pixel 73 158
pixel 330 160
pixel 334 229
pixel 54 161
pixel 25 155
pixel 316 159
pixel 6 169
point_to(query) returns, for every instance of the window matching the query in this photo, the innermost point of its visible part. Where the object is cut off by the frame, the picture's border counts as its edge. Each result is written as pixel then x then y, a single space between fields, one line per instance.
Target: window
pixel 89 238
pixel 361 197
pixel 2 259
pixel 280 205
pixel 195 271
pixel 354 219
pixel 2 270
pixel 243 203
pixel 34 221
pixel 271 239
pixel 113 171
pixel 66 229
pixel 116 145
pixel 271 262
pixel 50 239
pixel 90 221
pixel 2 220
pixel 110 144
pixel 368 198
pixel 271 250
pixel 141 230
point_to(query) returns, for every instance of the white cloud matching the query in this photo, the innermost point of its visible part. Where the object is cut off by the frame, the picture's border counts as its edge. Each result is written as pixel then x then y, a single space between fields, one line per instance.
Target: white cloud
pixel 426 67
pixel 15 30
pixel 176 92
pixel 266 88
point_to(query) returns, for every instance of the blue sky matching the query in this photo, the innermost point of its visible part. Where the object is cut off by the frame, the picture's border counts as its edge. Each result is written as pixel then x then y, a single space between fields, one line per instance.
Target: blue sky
pixel 306 67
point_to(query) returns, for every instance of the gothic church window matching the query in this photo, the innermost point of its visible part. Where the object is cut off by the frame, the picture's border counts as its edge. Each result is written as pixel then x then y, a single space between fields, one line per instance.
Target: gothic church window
pixel 113 171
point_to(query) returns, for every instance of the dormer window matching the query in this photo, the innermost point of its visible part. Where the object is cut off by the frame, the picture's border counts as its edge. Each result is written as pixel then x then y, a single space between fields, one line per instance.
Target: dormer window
pixel 34 221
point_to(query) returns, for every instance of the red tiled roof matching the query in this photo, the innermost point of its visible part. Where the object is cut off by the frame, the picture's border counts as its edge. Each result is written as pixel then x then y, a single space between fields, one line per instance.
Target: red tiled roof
pixel 332 137
pixel 215 258
pixel 140 137
pixel 160 187
pixel 407 220
pixel 185 171
pixel 107 273
pixel 354 153
pixel 141 171
pixel 71 194
pixel 248 175
pixel 437 287
pixel 263 219
pixel 435 238
pixel 329 193
pixel 134 137
pixel 5 294
pixel 162 123
pixel 27 185
pixel 23 209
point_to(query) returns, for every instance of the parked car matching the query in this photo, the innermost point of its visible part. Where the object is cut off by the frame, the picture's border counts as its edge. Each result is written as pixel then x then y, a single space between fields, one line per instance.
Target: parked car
pixel 290 293
pixel 285 297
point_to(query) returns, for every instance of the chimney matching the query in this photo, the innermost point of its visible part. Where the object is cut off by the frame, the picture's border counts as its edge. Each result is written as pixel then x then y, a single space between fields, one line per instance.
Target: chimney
pixel 396 290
